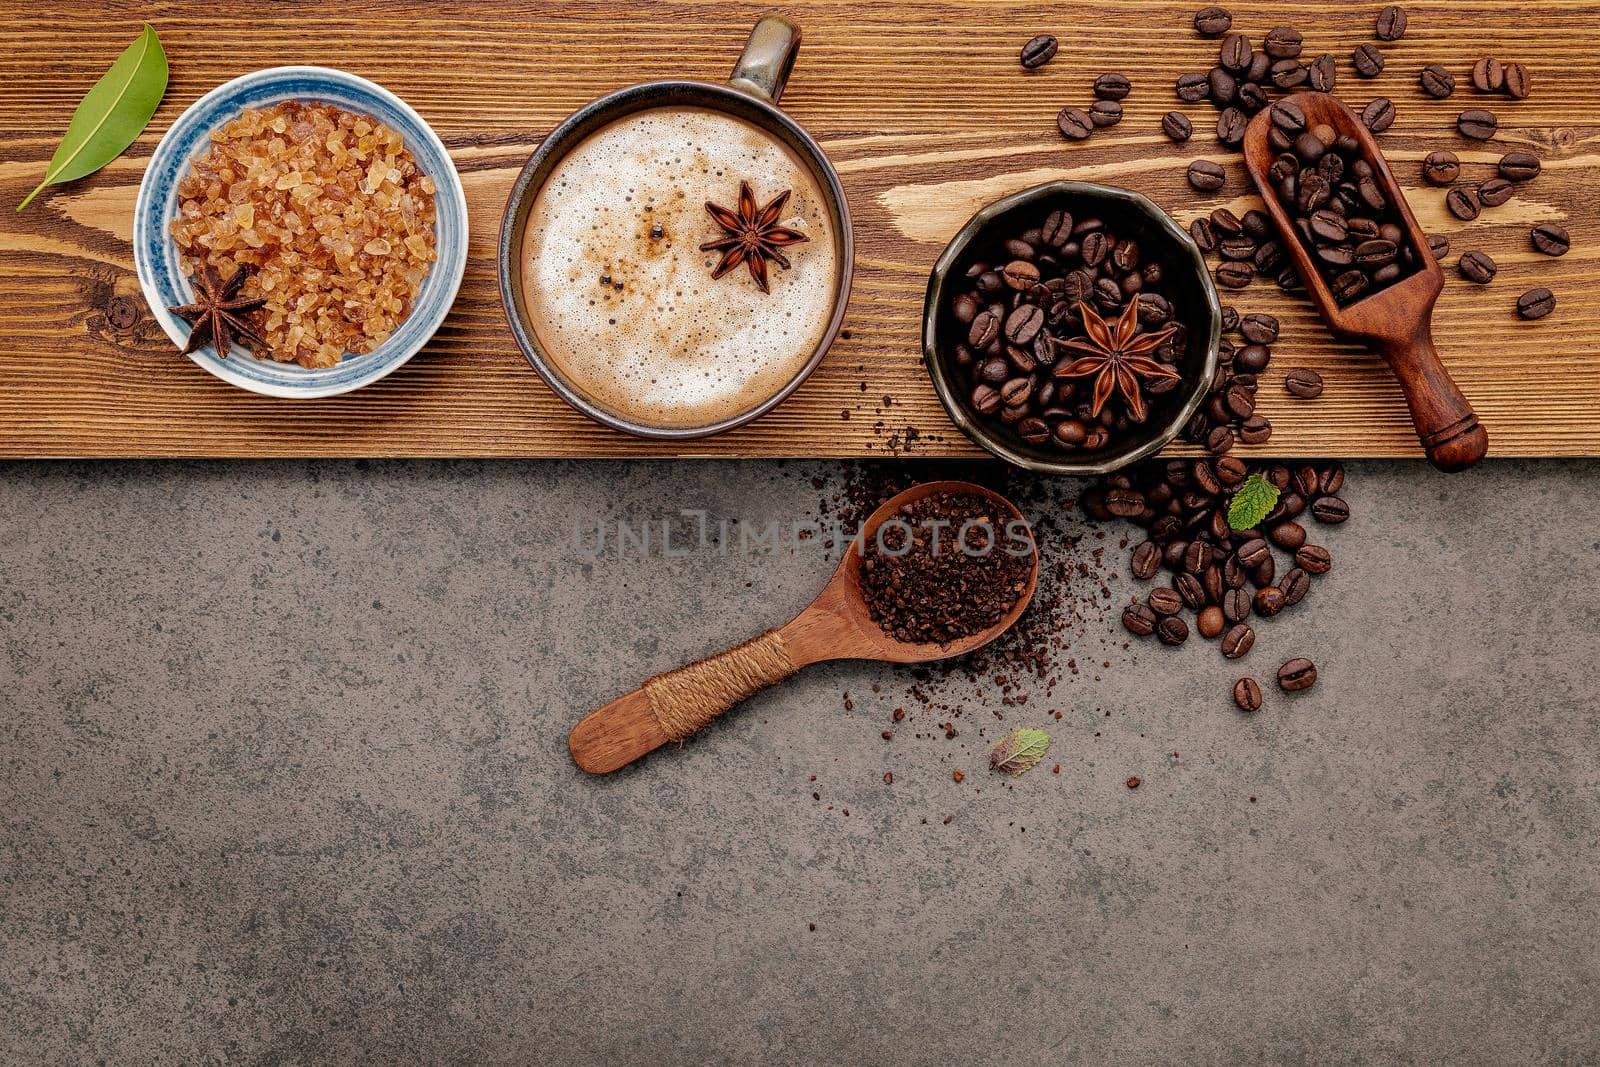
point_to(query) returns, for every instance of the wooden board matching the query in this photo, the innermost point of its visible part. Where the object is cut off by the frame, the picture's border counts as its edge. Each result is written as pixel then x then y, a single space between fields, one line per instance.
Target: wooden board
pixel 924 109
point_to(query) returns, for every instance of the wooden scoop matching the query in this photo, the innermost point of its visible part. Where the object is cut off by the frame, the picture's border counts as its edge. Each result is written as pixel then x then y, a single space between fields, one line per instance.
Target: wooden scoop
pixel 671 706
pixel 1396 321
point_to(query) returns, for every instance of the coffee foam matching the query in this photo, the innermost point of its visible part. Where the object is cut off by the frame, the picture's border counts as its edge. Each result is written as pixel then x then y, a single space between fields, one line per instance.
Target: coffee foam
pixel 622 298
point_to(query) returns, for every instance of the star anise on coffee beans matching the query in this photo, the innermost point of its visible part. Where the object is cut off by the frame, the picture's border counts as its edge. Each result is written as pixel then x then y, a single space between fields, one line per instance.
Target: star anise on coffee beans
pixel 753 235
pixel 218 316
pixel 1117 356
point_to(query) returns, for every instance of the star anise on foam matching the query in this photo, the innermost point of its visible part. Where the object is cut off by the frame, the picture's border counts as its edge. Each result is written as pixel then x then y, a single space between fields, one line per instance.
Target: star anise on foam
pixel 218 316
pixel 753 235
pixel 1118 356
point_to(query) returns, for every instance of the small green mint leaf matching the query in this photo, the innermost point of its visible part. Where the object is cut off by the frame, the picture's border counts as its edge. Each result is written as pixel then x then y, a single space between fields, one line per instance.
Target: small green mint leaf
pixel 1019 751
pixel 1253 502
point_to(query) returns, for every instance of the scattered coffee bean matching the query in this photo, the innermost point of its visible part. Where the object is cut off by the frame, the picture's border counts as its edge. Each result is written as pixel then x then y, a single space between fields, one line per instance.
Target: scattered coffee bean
pixel 1206 176
pixel 1269 601
pixel 1247 695
pixel 1477 123
pixel 1210 622
pixel 1231 125
pixel 1437 82
pixel 1323 73
pixel 1441 168
pixel 1536 303
pixel 1488 76
pixel 1193 88
pixel 1177 126
pixel 1235 53
pixel 1112 87
pixel 1296 675
pixel 1284 42
pixel 1551 239
pixel 1304 383
pixel 1105 113
pixel 1519 166
pixel 1039 51
pixel 1494 192
pixel 1234 275
pixel 1476 267
pixel 1212 21
pixel 1517 83
pixel 1139 619
pixel 1439 245
pixel 1295 585
pixel 1172 630
pixel 1330 510
pixel 1378 116
pixel 1074 123
pixel 1314 558
pixel 1462 203
pixel 1238 640
pixel 1391 23
pixel 1367 60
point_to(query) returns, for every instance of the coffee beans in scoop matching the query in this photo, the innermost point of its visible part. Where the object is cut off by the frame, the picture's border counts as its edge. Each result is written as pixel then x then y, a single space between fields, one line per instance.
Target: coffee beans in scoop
pixel 944 567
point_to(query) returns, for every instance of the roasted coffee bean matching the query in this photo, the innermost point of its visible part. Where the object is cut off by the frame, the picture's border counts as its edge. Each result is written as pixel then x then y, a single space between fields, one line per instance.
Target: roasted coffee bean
pixel 1314 558
pixel 1020 275
pixel 1177 126
pixel 1295 585
pixel 1146 559
pixel 1250 97
pixel 1463 203
pixel 1234 274
pixel 1494 192
pixel 1231 471
pixel 1253 552
pixel 1112 87
pixel 1024 324
pixel 1476 267
pixel 1378 115
pixel 1211 582
pixel 1288 535
pixel 1139 619
pixel 1191 590
pixel 1016 392
pixel 1262 575
pixel 1284 42
pixel 994 371
pixel 985 399
pixel 1240 400
pixel 1391 23
pixel 1289 73
pixel 1197 558
pixel 1330 510
pixel 1034 431
pixel 1219 440
pixel 1252 359
pixel 1172 630
pixel 1247 695
pixel 1206 176
pixel 1517 84
pixel 1236 604
pixel 1437 82
pixel 1288 116
pixel 1203 234
pixel 1223 88
pixel 1550 238
pixel 1209 622
pixel 1235 52
pixel 1070 433
pixel 1231 125
pixel 1536 303
pixel 1323 74
pixel 1125 503
pixel 965 308
pixel 1488 76
pixel 1441 168
pixel 1105 113
pixel 1238 640
pixel 1519 166
pixel 1303 382
pixel 1296 675
pixel 1259 329
pixel 1439 245
pixel 1255 430
pixel 1367 60
pixel 1074 123
pixel 1268 601
pixel 1039 51
pixel 1237 247
pixel 1349 286
pixel 1212 21
pixel 985 329
pixel 1477 123
pixel 1330 479
pixel 1193 88
pixel 1165 601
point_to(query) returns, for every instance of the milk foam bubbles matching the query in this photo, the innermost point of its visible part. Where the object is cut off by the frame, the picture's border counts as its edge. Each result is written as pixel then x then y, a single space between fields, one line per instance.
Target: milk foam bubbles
pixel 622 298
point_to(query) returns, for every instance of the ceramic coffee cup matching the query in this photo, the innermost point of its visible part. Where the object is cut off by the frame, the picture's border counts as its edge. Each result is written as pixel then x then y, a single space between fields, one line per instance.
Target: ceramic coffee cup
pixel 750 94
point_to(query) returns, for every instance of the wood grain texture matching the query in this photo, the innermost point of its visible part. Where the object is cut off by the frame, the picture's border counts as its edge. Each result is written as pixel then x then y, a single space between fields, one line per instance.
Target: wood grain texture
pixel 927 115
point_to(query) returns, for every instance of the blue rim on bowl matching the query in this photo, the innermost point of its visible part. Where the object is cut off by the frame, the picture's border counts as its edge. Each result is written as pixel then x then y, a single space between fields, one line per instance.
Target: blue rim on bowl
pixel 1188 284
pixel 155 254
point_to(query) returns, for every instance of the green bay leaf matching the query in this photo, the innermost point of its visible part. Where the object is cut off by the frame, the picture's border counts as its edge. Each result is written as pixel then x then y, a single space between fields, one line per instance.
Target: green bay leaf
pixel 111 114
pixel 1253 502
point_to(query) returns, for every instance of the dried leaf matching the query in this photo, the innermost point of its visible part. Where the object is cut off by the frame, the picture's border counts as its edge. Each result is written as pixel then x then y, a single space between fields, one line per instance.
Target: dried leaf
pixel 111 114
pixel 1019 751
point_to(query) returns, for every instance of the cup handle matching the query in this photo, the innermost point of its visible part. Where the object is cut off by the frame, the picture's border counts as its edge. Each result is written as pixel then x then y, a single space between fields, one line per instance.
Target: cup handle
pixel 768 57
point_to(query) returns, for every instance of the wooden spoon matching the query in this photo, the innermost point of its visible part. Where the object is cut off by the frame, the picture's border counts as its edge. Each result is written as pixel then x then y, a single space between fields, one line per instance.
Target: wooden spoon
pixel 1395 321
pixel 837 625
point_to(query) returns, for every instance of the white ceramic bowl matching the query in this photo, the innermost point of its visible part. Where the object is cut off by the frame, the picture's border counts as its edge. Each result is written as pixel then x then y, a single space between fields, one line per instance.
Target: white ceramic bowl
pixel 155 253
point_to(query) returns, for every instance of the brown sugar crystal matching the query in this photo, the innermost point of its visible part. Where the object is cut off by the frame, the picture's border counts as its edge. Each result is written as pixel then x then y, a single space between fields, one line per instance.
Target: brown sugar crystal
pixel 330 210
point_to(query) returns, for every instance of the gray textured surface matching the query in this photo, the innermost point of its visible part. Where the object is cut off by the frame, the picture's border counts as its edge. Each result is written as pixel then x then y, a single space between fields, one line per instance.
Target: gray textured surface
pixel 283 780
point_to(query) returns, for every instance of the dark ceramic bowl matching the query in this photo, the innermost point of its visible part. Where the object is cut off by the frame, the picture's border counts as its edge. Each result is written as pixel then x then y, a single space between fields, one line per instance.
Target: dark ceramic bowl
pixel 1187 283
